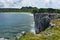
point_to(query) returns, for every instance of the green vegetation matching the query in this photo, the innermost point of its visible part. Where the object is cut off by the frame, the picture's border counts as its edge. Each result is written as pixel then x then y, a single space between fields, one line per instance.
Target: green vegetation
pixel 55 34
pixel 23 9
pixel 46 10
pixel 30 9
pixel 55 21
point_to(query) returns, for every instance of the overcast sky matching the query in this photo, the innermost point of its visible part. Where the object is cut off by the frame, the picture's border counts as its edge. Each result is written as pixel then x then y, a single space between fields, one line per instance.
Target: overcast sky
pixel 33 3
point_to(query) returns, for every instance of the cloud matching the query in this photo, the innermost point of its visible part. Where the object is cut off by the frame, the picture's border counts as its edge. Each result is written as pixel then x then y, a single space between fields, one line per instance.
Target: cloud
pixel 33 3
pixel 55 4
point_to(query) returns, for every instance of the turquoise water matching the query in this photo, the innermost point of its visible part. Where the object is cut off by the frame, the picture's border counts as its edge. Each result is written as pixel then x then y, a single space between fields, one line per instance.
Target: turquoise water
pixel 14 23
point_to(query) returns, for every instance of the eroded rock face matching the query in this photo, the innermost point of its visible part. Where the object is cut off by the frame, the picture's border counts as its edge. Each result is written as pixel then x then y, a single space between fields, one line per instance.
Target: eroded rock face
pixel 42 21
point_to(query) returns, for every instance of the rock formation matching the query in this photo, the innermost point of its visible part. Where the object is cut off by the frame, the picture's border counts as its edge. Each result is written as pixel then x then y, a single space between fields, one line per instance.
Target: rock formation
pixel 42 21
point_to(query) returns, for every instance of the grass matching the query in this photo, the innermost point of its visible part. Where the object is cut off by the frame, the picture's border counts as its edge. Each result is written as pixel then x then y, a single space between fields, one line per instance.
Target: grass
pixel 55 21
pixel 55 34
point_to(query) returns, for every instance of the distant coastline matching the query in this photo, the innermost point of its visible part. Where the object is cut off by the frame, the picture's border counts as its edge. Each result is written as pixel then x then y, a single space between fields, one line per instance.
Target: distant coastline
pixel 30 10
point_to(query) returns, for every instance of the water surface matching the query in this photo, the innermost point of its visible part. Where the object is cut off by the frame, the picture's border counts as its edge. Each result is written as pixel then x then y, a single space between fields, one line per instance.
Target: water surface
pixel 13 23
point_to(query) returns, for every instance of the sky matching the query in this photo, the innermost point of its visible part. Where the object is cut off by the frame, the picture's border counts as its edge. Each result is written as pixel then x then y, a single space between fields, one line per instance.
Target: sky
pixel 33 3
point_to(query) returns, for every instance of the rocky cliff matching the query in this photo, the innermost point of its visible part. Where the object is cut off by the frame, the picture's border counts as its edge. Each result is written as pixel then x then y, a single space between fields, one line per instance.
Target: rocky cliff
pixel 42 21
